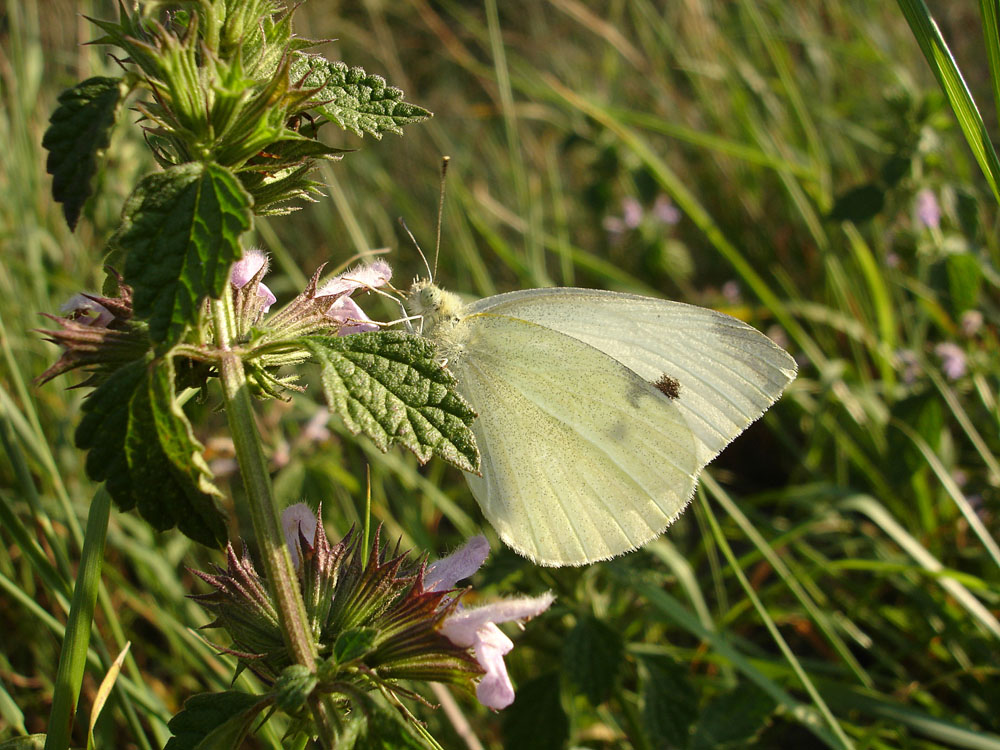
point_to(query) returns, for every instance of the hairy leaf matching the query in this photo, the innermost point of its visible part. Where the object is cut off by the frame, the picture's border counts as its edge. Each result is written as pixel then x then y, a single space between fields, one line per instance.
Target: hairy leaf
pixel 78 131
pixel 103 430
pixel 142 444
pixel 353 644
pixel 388 385
pixel 180 235
pixel 352 98
pixel 669 703
pixel 593 657
pixel 536 719
pixel 732 720
pixel 214 721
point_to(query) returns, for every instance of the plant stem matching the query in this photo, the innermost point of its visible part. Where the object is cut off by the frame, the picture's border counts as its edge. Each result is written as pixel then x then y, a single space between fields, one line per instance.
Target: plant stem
pixel 263 509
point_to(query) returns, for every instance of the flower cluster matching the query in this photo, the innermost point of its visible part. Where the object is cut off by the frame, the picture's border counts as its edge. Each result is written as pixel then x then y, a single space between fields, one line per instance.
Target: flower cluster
pixel 376 622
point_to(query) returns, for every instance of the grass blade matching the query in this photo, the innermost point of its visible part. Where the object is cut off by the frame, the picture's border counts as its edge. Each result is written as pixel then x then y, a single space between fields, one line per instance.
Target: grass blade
pixel 73 657
pixel 945 69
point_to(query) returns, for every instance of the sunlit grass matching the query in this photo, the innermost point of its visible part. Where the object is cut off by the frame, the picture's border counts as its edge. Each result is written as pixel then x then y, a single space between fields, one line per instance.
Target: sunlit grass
pixel 840 558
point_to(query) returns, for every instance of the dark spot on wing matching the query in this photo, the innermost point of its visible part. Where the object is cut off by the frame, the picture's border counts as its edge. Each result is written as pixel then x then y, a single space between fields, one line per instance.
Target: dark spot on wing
pixel 668 386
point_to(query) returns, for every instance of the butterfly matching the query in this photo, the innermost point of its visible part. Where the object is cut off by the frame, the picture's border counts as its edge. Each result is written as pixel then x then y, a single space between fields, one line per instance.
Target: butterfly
pixel 597 410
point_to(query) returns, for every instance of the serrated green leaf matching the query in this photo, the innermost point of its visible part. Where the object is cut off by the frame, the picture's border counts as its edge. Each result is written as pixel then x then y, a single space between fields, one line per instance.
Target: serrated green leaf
pixel 354 99
pixel 733 719
pixel 180 236
pixel 195 513
pixel 536 719
pixel 141 443
pixel 388 385
pixel 78 131
pixel 593 657
pixel 669 702
pixel 104 427
pixel 353 644
pixel 214 721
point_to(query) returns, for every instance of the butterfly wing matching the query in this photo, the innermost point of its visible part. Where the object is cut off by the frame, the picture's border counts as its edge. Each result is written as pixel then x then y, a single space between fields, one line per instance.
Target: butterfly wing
pixel 726 372
pixel 582 459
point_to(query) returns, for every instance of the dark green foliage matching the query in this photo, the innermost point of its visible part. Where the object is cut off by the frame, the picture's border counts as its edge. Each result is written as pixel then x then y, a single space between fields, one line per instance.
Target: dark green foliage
pixel 668 700
pixel 79 130
pixel 353 644
pixel 536 719
pixel 180 234
pixel 859 204
pixel 142 444
pixel 733 719
pixel 214 721
pixel 593 657
pixel 389 386
pixel 293 686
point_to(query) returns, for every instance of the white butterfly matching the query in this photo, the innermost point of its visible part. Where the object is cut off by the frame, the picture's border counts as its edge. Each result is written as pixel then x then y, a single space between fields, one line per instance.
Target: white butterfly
pixel 597 410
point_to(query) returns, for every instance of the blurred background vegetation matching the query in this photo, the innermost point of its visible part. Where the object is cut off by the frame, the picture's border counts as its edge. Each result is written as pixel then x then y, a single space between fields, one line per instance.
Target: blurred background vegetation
pixel 794 164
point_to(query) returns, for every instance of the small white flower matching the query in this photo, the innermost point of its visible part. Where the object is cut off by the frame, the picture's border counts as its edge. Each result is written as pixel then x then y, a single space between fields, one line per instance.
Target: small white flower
pixel 476 628
pixel 952 359
pixel 246 268
pixel 345 311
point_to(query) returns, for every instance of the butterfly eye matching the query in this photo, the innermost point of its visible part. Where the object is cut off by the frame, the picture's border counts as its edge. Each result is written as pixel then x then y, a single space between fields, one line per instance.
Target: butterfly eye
pixel 668 386
pixel 430 297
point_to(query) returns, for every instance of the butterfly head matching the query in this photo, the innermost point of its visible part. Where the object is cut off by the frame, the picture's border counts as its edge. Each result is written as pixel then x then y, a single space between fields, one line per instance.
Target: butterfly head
pixel 432 303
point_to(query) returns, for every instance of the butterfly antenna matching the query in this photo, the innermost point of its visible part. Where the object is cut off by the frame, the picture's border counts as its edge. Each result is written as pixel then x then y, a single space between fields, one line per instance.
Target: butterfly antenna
pixel 437 243
pixel 402 223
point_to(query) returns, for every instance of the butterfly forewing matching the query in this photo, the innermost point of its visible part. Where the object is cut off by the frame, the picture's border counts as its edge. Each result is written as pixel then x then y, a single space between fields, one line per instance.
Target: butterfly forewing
pixel 585 459
pixel 725 374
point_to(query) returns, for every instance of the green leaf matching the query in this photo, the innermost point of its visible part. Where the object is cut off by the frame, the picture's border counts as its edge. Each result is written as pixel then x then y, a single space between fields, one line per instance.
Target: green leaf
pixel 214 721
pixel 353 644
pixel 732 720
pixel 185 473
pixel 858 204
pixel 389 385
pixel 103 430
pixel 593 656
pixel 180 235
pixel 536 719
pixel 352 98
pixel 669 702
pixel 79 130
pixel 142 444
pixel 965 276
pixel 293 687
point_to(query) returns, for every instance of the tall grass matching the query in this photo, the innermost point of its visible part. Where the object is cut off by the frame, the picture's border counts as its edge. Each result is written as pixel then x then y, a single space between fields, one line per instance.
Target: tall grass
pixel 836 579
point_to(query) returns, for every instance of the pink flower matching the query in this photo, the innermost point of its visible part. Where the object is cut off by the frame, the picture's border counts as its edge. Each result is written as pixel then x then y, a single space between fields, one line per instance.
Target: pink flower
pixel 296 519
pixel 246 268
pixel 665 211
pixel 928 210
pixel 952 359
pixel 476 627
pixel 83 309
pixel 345 311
